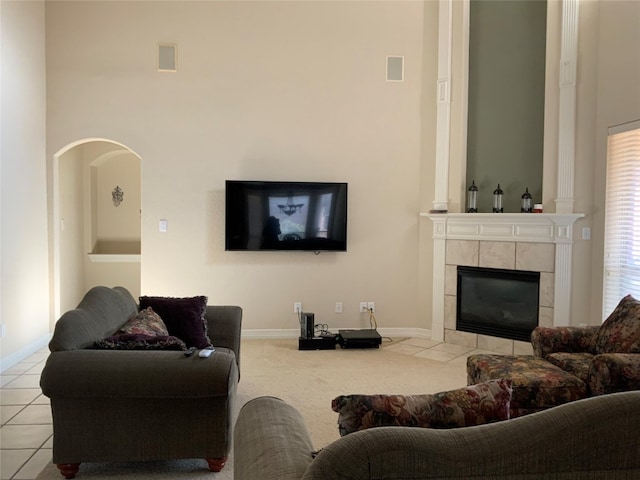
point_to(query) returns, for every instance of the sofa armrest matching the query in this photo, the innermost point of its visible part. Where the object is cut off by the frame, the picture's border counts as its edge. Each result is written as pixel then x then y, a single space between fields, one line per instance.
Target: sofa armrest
pixel 546 340
pixel 614 372
pixel 271 441
pixel 138 374
pixel 224 325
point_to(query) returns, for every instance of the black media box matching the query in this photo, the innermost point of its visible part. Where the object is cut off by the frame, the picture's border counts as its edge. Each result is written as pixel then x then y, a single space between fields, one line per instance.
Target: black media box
pixel 359 338
pixel 318 343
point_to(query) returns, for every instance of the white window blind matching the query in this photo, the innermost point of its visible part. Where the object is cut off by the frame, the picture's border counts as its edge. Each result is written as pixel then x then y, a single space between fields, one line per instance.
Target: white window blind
pixel 622 216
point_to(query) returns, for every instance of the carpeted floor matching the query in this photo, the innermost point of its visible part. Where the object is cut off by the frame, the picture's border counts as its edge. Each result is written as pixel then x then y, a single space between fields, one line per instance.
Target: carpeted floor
pixel 308 380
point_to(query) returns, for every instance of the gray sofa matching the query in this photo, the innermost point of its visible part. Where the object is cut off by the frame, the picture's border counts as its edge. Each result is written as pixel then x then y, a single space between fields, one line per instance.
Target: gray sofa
pixel 124 405
pixel 594 438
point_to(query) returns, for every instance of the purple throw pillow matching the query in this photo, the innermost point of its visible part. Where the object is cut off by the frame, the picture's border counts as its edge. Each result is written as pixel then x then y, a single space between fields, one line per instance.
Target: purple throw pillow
pixel 184 317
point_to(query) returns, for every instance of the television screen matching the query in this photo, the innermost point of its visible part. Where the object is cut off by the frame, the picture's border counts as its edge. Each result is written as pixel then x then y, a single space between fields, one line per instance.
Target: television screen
pixel 285 216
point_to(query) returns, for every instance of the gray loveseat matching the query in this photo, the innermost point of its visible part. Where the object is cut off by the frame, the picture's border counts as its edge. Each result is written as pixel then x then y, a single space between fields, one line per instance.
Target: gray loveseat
pixel 124 405
pixel 594 438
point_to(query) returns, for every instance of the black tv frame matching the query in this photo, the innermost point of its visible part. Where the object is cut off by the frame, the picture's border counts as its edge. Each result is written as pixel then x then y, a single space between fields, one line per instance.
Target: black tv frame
pixel 237 205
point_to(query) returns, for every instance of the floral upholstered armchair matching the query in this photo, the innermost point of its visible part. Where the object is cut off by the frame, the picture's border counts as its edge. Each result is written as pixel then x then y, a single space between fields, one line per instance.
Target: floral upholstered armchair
pixel 605 357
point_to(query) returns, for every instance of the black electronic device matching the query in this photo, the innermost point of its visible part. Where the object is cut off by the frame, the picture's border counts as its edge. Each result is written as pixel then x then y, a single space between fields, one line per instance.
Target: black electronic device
pixel 323 342
pixel 262 215
pixel 367 338
pixel 307 325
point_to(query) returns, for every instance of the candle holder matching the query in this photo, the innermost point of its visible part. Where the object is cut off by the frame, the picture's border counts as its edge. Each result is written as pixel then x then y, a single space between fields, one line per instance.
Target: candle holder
pixel 472 202
pixel 527 205
pixel 497 200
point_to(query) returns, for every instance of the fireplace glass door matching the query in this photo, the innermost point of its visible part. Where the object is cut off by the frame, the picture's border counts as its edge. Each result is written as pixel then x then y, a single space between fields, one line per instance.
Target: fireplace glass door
pixel 497 302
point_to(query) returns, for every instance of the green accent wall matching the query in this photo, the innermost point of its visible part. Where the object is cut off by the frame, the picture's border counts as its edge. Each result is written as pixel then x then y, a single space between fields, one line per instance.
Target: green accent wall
pixel 505 134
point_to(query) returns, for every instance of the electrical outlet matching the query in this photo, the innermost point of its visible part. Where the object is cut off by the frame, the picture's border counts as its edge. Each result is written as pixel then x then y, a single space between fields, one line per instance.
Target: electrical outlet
pixel 338 307
pixel 297 307
pixel 363 307
pixel 371 306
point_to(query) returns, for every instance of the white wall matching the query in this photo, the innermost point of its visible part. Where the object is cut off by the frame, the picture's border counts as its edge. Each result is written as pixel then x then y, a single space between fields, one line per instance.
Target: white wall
pixel 72 252
pixel 264 90
pixel 24 271
pixel 618 101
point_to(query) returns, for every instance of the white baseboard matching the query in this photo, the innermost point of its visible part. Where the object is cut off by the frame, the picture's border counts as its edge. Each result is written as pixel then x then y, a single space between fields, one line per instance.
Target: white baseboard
pixel 295 333
pixel 18 356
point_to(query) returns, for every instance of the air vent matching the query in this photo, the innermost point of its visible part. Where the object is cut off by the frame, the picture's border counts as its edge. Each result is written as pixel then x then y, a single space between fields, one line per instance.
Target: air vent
pixel 395 69
pixel 167 57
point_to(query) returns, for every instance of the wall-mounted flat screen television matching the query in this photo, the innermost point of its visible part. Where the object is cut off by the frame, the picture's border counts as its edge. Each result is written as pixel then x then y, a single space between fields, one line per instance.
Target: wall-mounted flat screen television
pixel 309 216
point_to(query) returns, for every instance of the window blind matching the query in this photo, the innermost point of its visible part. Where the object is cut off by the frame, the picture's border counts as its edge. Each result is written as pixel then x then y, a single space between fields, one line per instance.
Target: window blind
pixel 622 216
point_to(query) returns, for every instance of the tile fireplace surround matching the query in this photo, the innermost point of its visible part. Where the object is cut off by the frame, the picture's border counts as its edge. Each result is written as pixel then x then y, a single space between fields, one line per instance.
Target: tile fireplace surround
pixel 538 242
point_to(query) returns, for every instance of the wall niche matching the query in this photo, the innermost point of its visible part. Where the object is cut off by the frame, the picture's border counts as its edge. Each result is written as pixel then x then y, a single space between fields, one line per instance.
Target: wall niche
pixel 115 204
pixel 506 96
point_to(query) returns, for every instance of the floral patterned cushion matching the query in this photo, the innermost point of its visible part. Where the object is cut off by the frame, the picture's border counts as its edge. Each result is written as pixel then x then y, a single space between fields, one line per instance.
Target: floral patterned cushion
pixel 620 332
pixel 472 405
pixel 146 322
pixel 536 383
pixel 546 340
pixel 577 364
pixel 614 372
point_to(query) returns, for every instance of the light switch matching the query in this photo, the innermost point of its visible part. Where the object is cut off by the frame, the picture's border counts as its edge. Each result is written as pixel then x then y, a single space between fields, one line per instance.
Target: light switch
pixel 162 226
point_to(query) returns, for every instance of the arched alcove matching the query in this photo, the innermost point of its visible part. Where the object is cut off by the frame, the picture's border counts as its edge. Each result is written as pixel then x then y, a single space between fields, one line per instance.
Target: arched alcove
pixel 96 219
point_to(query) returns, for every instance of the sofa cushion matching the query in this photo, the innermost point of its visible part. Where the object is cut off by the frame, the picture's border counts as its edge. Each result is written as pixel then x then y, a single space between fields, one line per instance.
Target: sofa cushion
pixel 133 341
pixel 184 317
pixel 473 405
pixel 577 364
pixel 620 332
pixel 146 322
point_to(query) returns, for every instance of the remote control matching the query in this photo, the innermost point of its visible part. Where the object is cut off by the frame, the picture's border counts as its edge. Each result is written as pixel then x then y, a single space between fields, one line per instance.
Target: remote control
pixel 190 351
pixel 205 352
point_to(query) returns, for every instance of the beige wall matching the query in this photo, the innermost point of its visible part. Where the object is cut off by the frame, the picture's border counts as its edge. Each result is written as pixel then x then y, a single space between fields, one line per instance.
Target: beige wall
pixel 275 91
pixel 618 101
pixel 264 90
pixel 72 226
pixel 24 269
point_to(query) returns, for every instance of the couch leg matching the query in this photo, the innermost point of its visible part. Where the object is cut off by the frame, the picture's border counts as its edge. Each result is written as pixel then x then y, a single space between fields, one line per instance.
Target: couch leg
pixel 216 464
pixel 68 470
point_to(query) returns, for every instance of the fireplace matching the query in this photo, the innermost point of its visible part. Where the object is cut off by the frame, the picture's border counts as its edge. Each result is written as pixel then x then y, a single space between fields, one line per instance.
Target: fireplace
pixel 497 302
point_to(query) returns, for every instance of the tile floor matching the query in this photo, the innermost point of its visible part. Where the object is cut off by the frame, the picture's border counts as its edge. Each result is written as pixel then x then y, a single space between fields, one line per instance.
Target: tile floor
pixel 26 429
pixel 25 417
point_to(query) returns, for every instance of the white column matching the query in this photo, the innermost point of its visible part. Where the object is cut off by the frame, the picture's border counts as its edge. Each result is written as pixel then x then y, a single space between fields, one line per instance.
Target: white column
pixel 567 106
pixel 443 104
pixel 439 257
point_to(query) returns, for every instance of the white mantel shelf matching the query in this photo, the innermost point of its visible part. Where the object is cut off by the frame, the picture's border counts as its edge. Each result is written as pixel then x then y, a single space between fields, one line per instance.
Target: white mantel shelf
pixel 504 227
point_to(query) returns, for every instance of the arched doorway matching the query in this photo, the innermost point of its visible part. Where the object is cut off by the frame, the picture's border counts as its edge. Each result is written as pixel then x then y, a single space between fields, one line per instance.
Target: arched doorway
pixel 96 220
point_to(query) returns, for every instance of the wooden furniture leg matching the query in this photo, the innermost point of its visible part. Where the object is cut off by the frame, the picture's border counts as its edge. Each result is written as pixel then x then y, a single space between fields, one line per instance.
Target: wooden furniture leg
pixel 216 464
pixel 68 470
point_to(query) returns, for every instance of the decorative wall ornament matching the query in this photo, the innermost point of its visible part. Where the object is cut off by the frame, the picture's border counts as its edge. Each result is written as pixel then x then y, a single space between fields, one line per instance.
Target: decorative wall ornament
pixel 117 194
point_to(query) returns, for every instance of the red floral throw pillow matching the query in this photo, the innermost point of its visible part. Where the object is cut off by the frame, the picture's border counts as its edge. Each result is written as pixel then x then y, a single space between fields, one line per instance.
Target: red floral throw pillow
pixel 184 317
pixel 473 405
pixel 146 322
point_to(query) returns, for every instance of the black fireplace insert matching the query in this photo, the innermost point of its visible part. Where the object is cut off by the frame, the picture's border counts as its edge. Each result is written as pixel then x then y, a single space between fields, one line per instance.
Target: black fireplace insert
pixel 497 302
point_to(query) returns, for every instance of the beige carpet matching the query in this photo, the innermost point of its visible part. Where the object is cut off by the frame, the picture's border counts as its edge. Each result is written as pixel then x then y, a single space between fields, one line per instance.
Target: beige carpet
pixel 308 380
